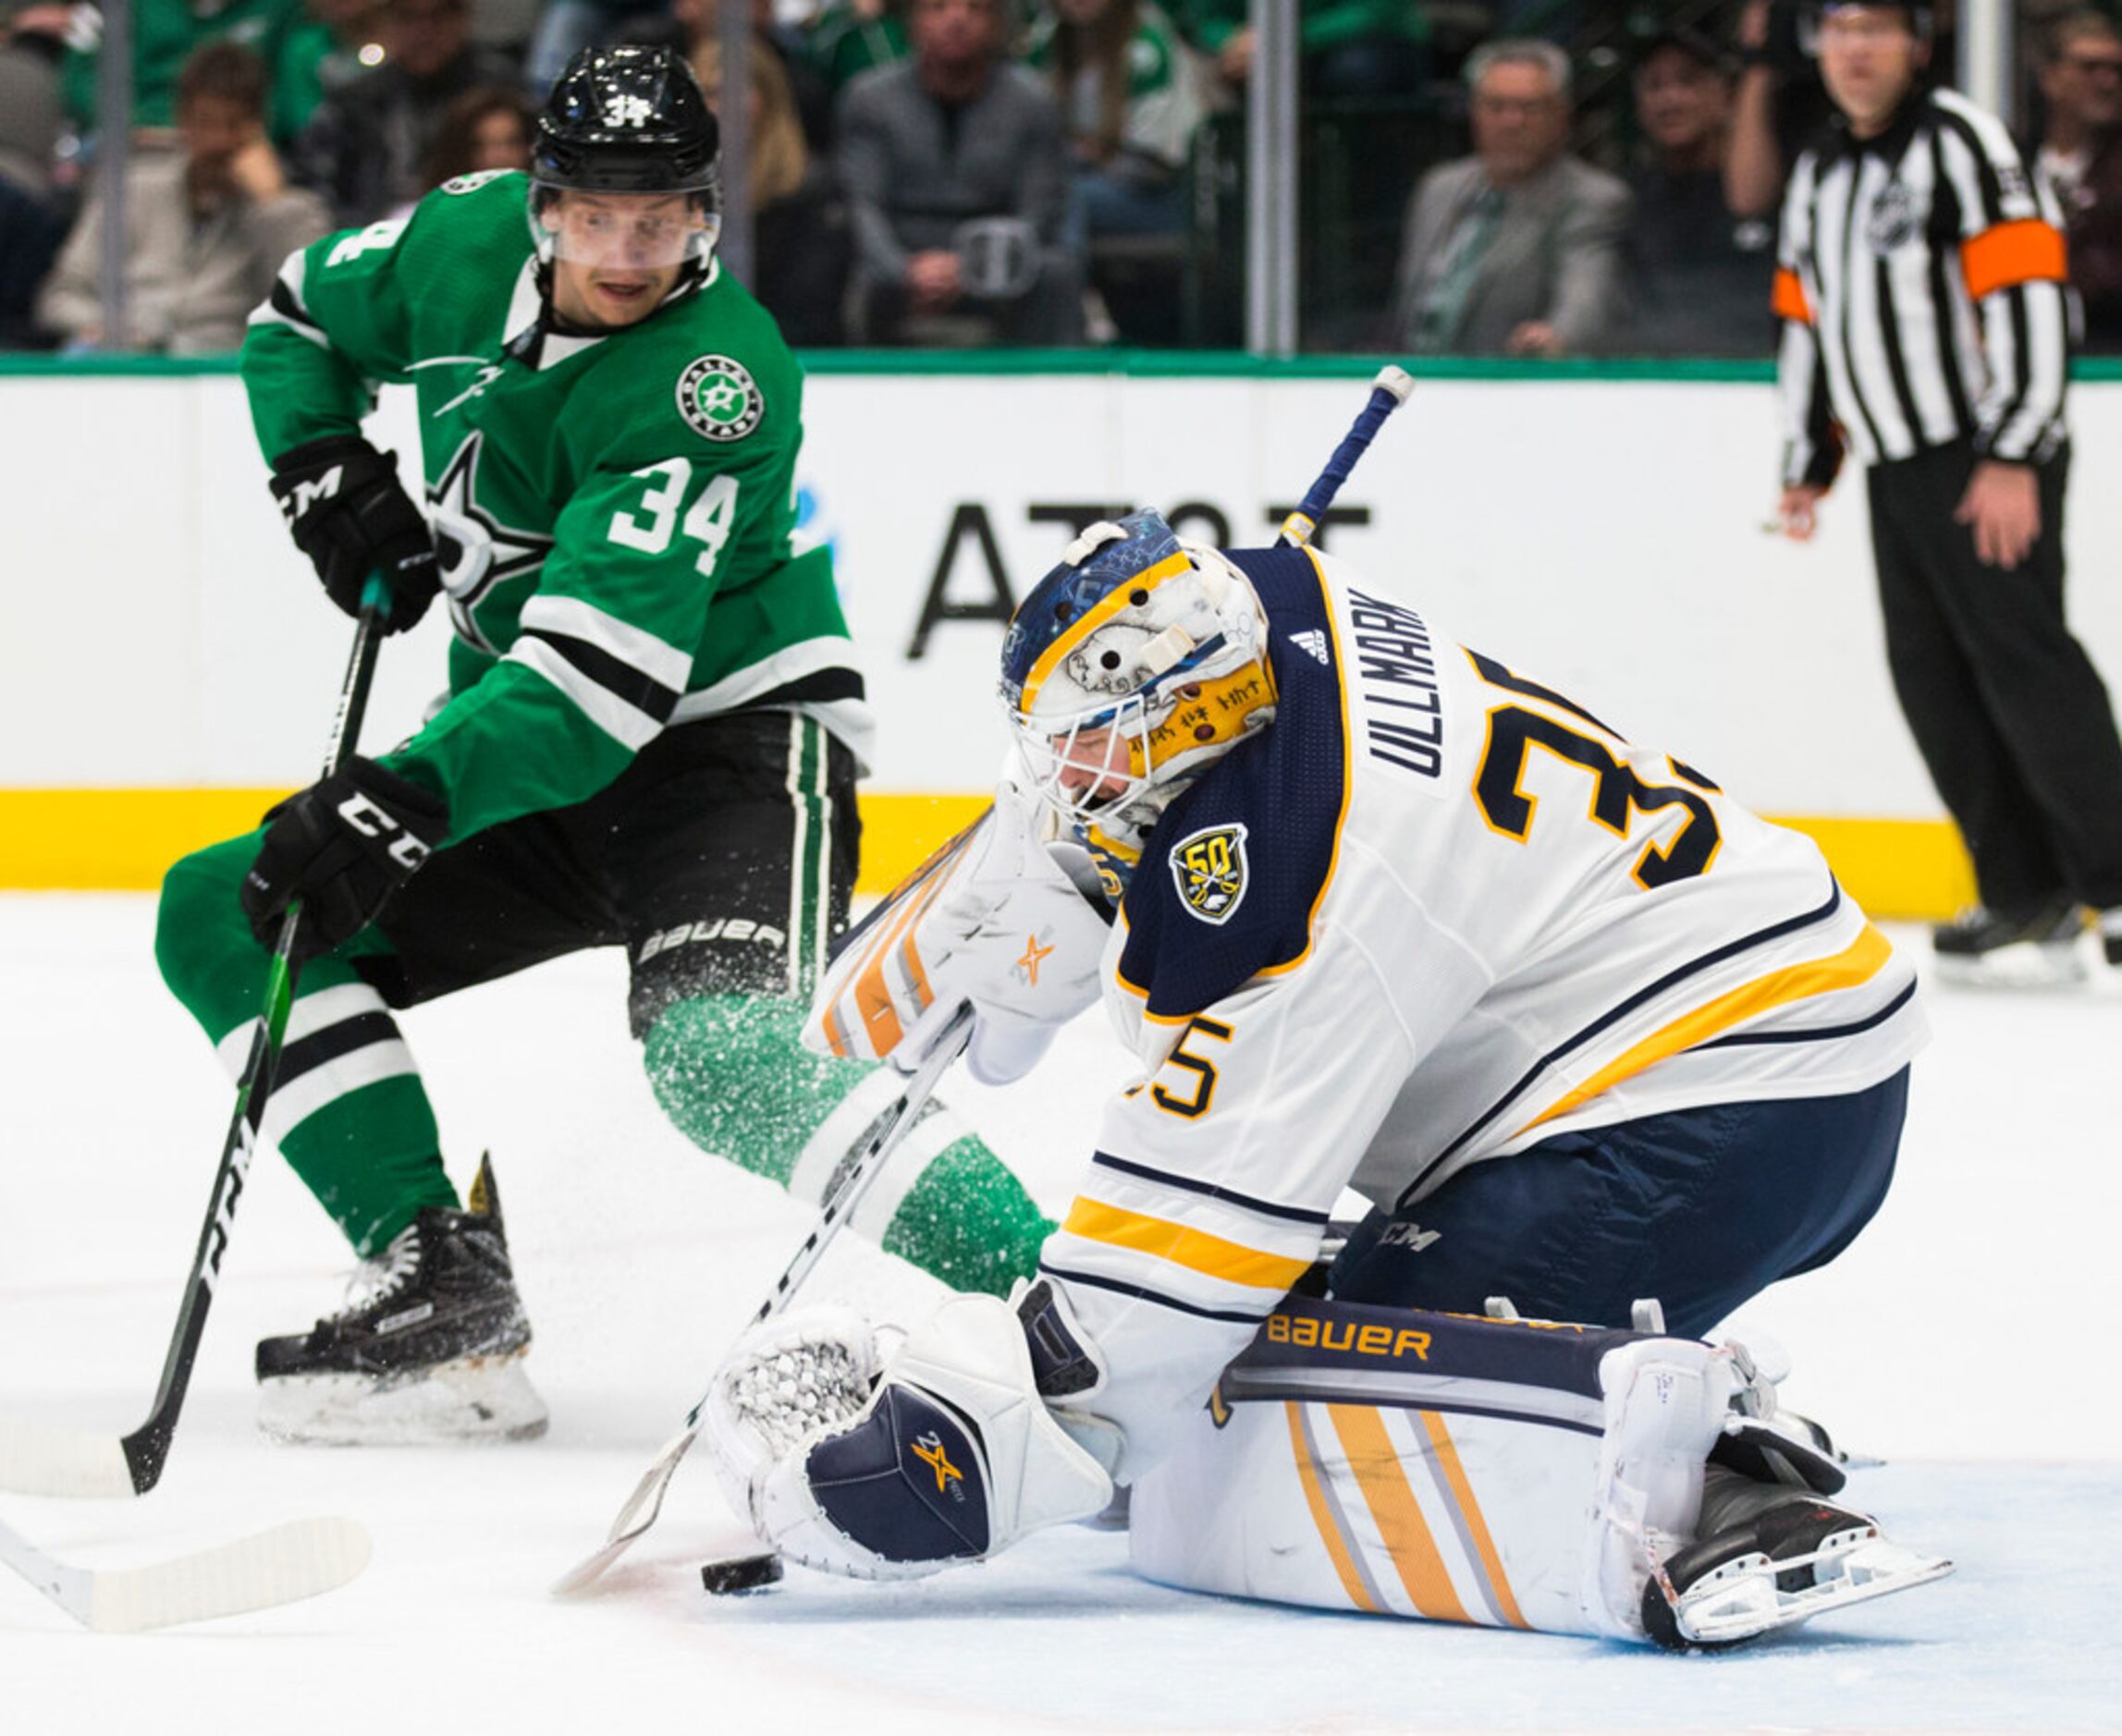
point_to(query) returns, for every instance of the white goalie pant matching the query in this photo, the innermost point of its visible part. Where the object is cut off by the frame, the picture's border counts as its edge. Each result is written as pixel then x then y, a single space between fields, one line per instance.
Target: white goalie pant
pixel 1509 1473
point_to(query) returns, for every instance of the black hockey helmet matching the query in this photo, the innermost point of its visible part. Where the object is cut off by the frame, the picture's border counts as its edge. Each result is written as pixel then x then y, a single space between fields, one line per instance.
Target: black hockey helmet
pixel 629 120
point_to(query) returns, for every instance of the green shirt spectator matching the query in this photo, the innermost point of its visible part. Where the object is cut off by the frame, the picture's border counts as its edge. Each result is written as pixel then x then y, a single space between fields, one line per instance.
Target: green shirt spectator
pixel 164 34
pixel 849 36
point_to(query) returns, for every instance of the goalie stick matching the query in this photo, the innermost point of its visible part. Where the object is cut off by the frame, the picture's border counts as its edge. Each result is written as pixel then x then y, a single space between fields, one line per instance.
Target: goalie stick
pixel 1389 390
pixel 283 1565
pixel 646 1501
pixel 36 1459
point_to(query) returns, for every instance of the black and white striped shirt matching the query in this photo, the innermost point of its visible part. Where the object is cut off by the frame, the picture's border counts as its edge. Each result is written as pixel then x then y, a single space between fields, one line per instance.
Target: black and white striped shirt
pixel 1921 287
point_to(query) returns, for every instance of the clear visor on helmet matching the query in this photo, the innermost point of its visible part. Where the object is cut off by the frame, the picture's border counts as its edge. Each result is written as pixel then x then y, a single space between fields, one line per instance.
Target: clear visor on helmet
pixel 621 232
pixel 1078 765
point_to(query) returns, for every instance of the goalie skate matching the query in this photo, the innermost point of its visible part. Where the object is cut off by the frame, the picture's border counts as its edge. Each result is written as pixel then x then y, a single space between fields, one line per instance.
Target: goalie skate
pixel 1796 1561
pixel 428 1349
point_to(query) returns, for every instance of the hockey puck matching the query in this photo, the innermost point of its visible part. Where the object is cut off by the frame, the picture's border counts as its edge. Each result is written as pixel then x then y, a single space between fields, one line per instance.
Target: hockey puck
pixel 741 1573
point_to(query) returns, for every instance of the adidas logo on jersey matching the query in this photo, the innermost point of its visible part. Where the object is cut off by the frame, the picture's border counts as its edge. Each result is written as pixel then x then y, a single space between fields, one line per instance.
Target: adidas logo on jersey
pixel 1313 641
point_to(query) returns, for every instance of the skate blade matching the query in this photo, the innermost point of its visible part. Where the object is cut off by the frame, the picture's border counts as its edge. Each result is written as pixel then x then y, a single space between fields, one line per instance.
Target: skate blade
pixel 473 1399
pixel 1741 1599
pixel 2027 965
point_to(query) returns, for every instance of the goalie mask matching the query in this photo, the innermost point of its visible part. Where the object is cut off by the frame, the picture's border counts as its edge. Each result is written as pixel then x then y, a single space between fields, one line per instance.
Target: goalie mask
pixel 1131 668
pixel 629 131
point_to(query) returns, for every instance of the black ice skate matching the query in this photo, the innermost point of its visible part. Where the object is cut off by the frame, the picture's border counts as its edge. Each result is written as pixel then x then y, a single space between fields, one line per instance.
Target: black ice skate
pixel 429 1348
pixel 2030 947
pixel 1799 1558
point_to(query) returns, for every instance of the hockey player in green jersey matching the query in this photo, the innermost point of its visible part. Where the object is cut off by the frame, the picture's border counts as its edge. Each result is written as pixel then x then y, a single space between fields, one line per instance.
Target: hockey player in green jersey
pixel 650 737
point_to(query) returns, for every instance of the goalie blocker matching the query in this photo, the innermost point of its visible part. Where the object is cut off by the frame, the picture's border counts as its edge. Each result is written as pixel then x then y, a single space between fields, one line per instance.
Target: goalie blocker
pixel 1501 1473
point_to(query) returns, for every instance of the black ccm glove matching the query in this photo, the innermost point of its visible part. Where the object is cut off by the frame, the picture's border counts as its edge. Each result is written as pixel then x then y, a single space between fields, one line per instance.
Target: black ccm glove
pixel 342 846
pixel 351 517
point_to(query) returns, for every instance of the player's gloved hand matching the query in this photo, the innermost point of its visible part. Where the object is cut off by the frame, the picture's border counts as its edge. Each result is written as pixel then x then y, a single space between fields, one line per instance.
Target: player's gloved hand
pixel 342 846
pixel 950 1458
pixel 1000 917
pixel 349 513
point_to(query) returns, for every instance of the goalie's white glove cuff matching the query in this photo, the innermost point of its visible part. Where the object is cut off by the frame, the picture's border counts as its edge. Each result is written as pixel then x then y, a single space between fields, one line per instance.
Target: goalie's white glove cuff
pixel 953 1459
pixel 1001 918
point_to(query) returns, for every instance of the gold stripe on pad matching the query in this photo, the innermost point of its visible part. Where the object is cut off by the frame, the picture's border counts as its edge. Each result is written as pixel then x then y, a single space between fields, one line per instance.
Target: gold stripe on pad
pixel 1322 1514
pixel 1446 1451
pixel 1196 1250
pixel 1383 1479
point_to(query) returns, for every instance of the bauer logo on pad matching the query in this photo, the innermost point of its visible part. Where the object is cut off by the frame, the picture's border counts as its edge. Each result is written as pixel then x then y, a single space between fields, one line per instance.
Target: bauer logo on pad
pixel 1209 869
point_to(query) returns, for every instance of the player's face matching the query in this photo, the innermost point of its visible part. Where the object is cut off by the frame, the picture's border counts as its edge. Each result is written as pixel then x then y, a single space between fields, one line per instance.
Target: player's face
pixel 617 255
pixel 1093 766
pixel 1868 59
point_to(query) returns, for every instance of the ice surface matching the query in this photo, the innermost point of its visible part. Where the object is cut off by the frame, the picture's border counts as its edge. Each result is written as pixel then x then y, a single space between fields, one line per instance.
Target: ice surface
pixel 1962 1337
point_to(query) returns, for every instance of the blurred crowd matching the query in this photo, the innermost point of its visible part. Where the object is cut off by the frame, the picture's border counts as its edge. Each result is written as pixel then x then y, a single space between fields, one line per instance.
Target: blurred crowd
pixel 1527 177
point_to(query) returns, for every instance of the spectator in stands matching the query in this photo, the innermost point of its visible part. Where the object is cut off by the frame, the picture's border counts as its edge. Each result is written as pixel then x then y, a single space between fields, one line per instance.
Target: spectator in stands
pixel 956 177
pixel 1695 274
pixel 208 225
pixel 35 210
pixel 2081 157
pixel 801 248
pixel 164 33
pixel 1126 85
pixel 1515 249
pixel 364 148
pixel 1350 48
pixel 488 127
pixel 333 45
pixel 848 37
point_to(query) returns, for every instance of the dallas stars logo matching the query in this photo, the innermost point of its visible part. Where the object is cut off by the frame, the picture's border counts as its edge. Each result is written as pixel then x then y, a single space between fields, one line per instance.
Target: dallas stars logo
pixel 718 398
pixel 474 550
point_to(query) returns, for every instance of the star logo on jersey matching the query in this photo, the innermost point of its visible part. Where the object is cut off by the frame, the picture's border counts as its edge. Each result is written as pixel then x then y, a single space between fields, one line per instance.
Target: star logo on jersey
pixel 929 1449
pixel 719 398
pixel 473 550
pixel 1029 963
pixel 1209 869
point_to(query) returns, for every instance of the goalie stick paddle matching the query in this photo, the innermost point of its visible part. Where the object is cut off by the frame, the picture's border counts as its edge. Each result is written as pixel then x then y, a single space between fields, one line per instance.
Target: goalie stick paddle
pixel 1388 392
pixel 646 1501
pixel 301 1559
pixel 36 1459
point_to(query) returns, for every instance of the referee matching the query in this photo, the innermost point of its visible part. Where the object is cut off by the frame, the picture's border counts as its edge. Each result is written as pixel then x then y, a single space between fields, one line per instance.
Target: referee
pixel 1926 330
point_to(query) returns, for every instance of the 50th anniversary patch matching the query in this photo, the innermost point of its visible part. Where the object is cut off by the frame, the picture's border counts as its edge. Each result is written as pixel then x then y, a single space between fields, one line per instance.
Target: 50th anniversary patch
pixel 1209 870
pixel 719 397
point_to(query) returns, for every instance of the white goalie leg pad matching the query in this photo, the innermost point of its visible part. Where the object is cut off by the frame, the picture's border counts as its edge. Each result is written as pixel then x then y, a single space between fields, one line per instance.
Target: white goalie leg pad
pixel 952 1459
pixel 1002 917
pixel 1509 1473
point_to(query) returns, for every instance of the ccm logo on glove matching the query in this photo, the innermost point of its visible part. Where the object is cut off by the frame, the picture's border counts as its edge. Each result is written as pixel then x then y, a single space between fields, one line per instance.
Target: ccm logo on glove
pixel 342 847
pixel 349 513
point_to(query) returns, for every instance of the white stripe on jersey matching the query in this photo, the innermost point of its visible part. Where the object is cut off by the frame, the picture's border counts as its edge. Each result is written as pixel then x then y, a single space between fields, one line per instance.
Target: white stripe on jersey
pixel 626 723
pixel 660 660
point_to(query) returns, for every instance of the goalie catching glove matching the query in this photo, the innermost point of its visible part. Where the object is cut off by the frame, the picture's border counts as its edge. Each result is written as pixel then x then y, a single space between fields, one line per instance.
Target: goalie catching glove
pixel 350 515
pixel 999 917
pixel 342 846
pixel 945 1454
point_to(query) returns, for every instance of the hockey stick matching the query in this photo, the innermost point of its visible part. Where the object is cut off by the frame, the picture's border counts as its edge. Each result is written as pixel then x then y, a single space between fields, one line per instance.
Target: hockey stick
pixel 35 1460
pixel 301 1559
pixel 1388 392
pixel 646 1501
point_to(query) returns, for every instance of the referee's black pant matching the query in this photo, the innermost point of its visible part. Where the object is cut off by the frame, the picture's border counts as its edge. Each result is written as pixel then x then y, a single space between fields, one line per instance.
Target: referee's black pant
pixel 2007 710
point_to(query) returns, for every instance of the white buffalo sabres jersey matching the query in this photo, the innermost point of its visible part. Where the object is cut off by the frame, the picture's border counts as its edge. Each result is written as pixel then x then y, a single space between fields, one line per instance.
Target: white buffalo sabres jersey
pixel 1436 913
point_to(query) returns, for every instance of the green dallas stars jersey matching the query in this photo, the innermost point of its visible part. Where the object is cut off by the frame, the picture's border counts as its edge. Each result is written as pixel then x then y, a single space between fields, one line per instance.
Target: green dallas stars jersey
pixel 613 514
